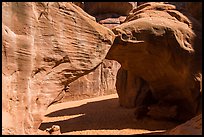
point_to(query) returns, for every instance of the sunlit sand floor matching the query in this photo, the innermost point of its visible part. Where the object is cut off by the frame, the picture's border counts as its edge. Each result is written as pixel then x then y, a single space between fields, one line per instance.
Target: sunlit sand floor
pixel 100 116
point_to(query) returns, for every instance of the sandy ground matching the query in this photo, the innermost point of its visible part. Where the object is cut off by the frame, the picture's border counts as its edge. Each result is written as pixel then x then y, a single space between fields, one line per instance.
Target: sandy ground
pixel 100 116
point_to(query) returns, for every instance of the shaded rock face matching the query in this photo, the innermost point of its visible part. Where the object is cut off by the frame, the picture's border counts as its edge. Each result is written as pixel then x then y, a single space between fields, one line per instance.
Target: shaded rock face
pixel 80 4
pixel 96 8
pixel 108 13
pixel 161 47
pixel 192 8
pixel 191 127
pixel 45 47
pixel 102 80
pixel 131 89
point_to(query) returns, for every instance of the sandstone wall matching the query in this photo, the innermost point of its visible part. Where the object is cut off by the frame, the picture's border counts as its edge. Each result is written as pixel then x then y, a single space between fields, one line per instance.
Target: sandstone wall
pixel 102 80
pixel 56 50
pixel 45 47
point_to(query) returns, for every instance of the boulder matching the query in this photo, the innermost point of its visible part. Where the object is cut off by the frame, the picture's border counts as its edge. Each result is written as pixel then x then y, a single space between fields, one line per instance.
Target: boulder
pixel 45 47
pixel 54 130
pixel 188 8
pixel 161 46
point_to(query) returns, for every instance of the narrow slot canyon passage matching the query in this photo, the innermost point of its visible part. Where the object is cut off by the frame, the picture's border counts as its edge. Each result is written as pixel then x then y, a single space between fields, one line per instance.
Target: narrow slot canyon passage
pixel 100 115
pixel 101 68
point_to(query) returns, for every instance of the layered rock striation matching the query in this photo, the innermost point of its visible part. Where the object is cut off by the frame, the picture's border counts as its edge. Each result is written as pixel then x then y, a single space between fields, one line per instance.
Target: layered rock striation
pixel 45 47
pixel 52 50
pixel 160 52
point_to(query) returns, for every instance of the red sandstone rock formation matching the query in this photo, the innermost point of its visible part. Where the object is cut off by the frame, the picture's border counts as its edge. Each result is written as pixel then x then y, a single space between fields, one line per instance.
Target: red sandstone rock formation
pixel 191 127
pixel 96 8
pixel 162 47
pixel 100 81
pixel 191 8
pixel 45 47
pixel 48 46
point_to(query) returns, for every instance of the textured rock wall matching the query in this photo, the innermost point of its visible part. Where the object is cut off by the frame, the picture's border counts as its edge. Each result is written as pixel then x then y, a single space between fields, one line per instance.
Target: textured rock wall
pixel 102 80
pixel 161 46
pixel 191 127
pixel 45 47
pixel 55 49
pixel 96 8
pixel 192 8
pixel 131 89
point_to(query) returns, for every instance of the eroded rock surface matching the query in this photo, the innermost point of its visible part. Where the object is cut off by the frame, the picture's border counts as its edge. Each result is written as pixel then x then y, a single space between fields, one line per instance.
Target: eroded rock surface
pixel 45 47
pixel 161 46
pixel 48 46
pixel 192 8
pixel 94 8
pixel 191 127
pixel 100 81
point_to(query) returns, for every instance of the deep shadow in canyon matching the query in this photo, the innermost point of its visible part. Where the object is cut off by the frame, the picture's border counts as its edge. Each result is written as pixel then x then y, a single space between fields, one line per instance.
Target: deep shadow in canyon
pixel 103 115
